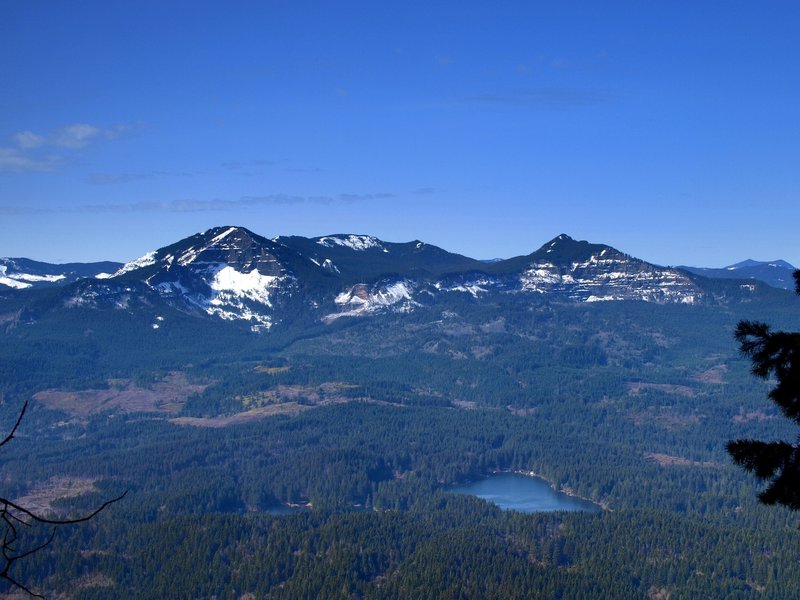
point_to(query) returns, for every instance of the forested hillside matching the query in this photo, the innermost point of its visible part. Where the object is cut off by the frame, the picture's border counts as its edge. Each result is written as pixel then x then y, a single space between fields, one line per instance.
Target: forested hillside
pixel 315 461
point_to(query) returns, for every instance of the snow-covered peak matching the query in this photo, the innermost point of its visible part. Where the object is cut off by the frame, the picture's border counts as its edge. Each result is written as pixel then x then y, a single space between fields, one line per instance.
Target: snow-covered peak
pixel 749 263
pixel 191 254
pixel 354 242
pixel 226 231
pixel 556 241
pixel 141 262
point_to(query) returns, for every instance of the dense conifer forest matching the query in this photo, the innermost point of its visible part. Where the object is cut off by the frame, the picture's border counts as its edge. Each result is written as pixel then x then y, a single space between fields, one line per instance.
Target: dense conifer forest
pixel 316 462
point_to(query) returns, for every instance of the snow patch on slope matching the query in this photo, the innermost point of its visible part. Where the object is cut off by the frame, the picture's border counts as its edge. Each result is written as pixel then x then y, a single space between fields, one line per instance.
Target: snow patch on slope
pixel 354 242
pixel 141 262
pixel 228 282
pixel 474 288
pixel 233 310
pixel 13 283
pixel 234 295
pixel 328 264
pixel 191 254
pixel 362 299
pixel 20 281
pixel 37 278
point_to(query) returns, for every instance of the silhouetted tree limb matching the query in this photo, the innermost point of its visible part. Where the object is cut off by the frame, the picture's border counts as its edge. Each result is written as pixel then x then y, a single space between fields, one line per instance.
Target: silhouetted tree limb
pixel 11 433
pixel 13 516
pixel 773 353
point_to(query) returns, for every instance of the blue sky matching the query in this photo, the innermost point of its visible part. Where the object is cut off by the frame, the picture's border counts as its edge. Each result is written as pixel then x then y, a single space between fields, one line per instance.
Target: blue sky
pixel 668 129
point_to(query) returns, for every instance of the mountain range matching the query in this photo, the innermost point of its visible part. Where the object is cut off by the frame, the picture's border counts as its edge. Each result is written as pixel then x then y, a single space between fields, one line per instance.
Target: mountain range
pixel 23 273
pixel 383 375
pixel 777 273
pixel 233 274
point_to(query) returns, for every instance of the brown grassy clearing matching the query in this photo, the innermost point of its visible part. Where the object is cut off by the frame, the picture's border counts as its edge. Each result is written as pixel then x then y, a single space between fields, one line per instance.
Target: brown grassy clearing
pixel 40 499
pixel 635 387
pixel 715 375
pixel 667 460
pixel 168 395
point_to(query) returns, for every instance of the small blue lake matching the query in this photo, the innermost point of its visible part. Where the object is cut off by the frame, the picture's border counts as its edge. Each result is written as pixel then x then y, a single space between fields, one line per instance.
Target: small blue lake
pixel 282 509
pixel 511 491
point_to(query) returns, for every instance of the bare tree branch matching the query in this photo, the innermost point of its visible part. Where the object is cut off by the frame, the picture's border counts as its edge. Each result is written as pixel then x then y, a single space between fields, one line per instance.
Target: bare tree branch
pixel 13 514
pixel 39 519
pixel 10 436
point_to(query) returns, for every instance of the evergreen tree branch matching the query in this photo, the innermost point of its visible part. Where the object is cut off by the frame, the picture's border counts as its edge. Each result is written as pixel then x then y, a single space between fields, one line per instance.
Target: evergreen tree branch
pixel 773 353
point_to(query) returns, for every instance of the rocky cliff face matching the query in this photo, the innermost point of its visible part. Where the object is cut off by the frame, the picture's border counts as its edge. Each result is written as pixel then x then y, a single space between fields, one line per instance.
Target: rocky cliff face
pixel 597 274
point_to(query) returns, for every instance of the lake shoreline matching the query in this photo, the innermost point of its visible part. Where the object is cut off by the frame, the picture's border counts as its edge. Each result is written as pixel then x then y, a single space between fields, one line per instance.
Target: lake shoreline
pixel 567 491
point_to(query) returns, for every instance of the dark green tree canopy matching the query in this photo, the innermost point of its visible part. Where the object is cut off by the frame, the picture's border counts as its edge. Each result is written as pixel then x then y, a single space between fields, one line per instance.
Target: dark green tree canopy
pixel 777 354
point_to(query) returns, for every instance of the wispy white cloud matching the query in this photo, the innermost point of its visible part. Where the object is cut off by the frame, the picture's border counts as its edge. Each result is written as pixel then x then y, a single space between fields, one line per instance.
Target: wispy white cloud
pixel 15 160
pixel 32 151
pixel 27 140
pixel 443 60
pixel 81 135
pixel 424 191
pixel 207 205
pixel 120 178
pixel 304 170
pixel 352 198
pixel 543 98
pixel 562 63
pixel 250 168
pixel 584 63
